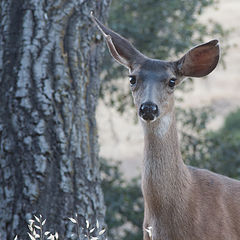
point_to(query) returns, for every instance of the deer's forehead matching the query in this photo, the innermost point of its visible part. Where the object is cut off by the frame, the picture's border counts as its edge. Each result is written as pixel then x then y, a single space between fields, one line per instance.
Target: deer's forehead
pixel 155 70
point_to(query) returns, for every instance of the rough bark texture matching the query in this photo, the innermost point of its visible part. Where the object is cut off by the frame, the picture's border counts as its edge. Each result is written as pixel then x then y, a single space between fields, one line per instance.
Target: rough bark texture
pixel 49 86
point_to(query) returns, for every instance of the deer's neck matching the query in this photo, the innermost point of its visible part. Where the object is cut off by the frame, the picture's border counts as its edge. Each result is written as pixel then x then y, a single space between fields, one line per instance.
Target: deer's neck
pixel 165 176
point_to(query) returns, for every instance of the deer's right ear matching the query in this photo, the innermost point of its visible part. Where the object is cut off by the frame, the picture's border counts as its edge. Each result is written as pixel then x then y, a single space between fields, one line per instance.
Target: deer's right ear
pixel 120 48
pixel 200 60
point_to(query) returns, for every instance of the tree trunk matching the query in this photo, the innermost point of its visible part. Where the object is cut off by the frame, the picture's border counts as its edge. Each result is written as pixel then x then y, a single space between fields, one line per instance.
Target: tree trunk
pixel 49 86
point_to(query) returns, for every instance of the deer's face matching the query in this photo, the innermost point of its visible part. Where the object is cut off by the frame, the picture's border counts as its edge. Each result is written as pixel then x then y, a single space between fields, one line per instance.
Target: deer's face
pixel 152 81
pixel 152 85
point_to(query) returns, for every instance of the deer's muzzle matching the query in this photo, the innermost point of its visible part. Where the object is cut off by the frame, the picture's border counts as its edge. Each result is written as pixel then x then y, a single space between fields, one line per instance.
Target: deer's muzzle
pixel 148 111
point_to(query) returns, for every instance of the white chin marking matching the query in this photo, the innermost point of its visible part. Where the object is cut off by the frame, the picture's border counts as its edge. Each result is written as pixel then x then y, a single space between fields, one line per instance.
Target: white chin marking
pixel 148 121
pixel 161 127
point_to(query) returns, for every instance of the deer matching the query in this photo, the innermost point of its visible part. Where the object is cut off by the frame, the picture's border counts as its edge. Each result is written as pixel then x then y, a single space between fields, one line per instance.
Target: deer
pixel 180 202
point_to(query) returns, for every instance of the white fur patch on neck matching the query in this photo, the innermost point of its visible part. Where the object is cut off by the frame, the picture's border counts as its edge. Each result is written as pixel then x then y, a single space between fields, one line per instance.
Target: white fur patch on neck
pixel 159 126
pixel 164 124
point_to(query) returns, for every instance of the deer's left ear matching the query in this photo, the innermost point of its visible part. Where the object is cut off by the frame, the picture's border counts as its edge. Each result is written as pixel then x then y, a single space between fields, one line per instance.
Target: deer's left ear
pixel 200 60
pixel 120 48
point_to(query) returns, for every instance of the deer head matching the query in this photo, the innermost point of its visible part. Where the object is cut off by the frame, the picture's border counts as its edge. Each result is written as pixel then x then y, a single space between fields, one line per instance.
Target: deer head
pixel 153 81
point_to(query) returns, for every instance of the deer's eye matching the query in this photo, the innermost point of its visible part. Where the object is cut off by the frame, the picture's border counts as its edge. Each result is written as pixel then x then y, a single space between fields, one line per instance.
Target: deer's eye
pixel 172 82
pixel 132 80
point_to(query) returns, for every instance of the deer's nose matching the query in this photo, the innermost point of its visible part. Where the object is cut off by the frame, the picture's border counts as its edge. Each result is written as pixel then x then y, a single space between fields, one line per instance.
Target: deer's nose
pixel 148 111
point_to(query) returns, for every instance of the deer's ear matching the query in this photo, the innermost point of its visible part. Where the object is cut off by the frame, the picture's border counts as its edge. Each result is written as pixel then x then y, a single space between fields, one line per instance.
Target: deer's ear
pixel 120 48
pixel 200 60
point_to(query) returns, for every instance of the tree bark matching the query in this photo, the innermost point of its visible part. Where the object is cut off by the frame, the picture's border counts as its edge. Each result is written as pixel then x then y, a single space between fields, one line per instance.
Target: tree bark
pixel 49 84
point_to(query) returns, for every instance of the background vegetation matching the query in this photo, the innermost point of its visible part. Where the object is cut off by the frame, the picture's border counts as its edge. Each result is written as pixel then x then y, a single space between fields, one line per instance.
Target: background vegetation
pixel 161 29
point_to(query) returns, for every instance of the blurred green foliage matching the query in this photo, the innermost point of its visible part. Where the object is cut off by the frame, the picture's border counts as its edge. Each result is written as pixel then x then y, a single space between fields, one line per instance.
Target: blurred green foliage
pixel 124 212
pixel 159 29
pixel 218 151
pixel 232 123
